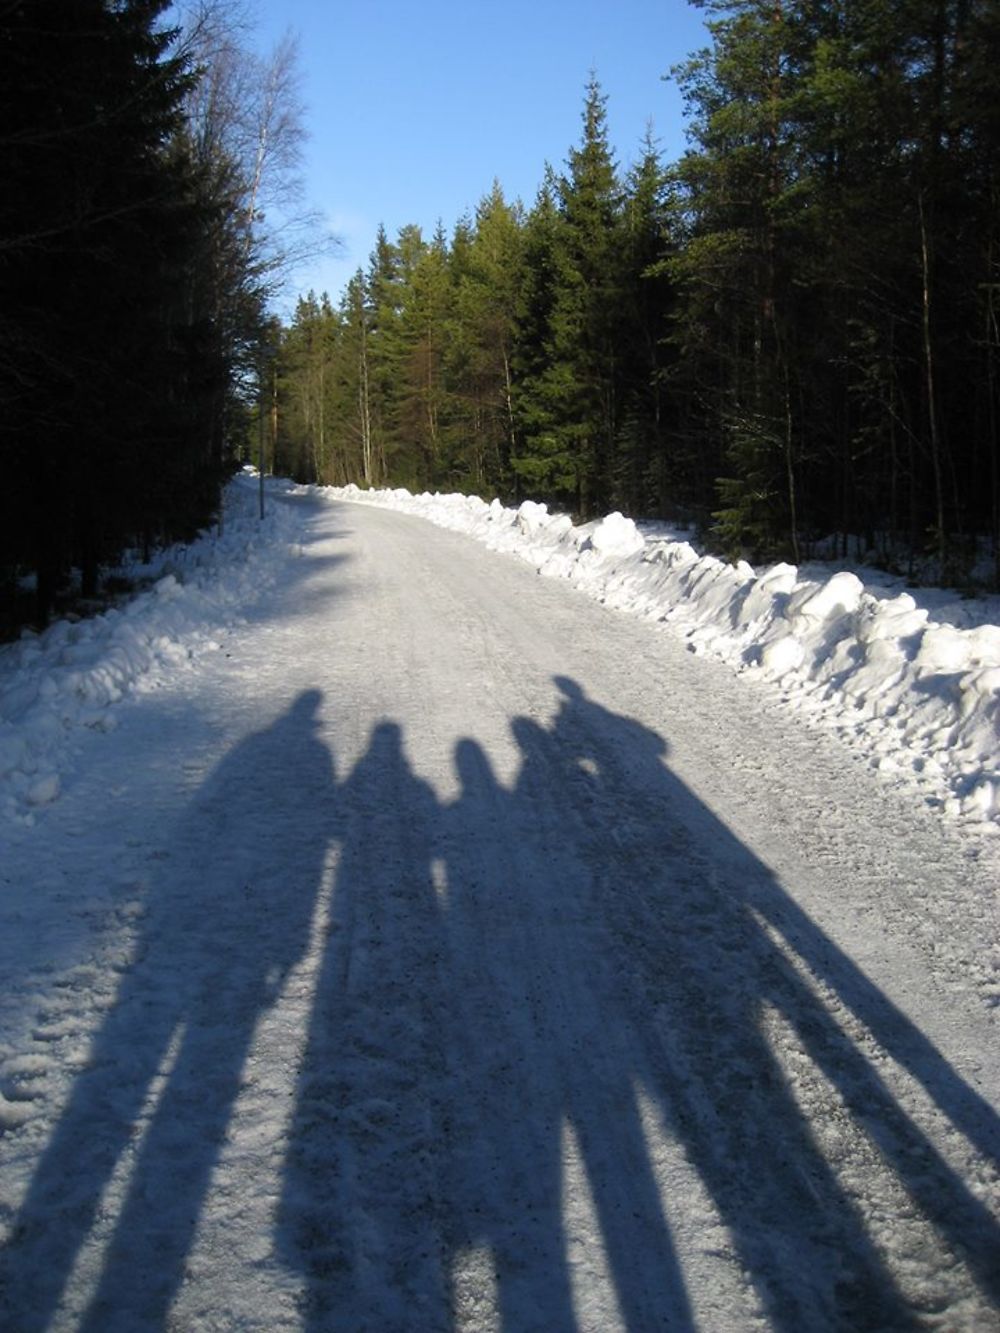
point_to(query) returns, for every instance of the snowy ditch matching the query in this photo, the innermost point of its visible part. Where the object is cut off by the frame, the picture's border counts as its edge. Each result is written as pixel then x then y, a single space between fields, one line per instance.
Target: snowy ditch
pixel 919 697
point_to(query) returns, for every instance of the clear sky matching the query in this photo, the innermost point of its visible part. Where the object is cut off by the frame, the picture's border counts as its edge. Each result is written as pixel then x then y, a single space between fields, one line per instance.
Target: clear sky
pixel 414 108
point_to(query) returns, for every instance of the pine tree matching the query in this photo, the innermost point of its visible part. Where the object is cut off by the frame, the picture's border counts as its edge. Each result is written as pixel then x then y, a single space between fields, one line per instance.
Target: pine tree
pixel 306 444
pixel 354 407
pixel 384 286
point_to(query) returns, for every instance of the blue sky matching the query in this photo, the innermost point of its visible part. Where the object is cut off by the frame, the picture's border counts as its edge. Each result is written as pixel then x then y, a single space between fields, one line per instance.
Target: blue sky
pixel 413 109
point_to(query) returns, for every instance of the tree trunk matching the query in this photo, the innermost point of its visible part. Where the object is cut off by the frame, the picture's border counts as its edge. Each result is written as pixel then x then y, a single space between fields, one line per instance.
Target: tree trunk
pixel 932 414
pixel 364 410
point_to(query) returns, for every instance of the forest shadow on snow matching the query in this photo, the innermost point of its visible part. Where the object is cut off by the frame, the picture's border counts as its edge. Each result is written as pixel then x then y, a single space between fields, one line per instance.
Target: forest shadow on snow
pixel 513 986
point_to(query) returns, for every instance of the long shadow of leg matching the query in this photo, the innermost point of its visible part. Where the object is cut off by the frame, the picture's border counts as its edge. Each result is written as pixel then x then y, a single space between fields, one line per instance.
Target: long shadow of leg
pixel 649 1284
pixel 530 913
pixel 695 986
pixel 145 1265
pixel 503 1178
pixel 696 966
pixel 934 1186
pixel 360 1215
pixel 93 1133
pixel 223 927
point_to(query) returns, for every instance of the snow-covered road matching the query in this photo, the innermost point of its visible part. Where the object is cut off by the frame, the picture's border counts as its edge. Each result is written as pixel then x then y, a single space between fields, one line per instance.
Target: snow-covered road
pixel 444 951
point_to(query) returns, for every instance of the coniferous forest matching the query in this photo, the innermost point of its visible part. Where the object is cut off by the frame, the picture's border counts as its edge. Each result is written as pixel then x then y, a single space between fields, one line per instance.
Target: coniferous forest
pixel 790 336
pixel 135 278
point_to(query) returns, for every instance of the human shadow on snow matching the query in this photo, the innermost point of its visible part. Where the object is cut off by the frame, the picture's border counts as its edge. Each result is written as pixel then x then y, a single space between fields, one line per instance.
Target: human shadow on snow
pixel 360 1212
pixel 516 991
pixel 517 986
pixel 216 941
pixel 660 948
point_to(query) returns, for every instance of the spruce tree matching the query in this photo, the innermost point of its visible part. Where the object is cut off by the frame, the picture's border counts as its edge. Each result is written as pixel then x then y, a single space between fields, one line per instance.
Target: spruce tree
pixel 735 321
pixel 648 472
pixel 485 265
pixel 568 381
pixel 425 310
pixel 97 225
pixel 587 318
pixel 544 463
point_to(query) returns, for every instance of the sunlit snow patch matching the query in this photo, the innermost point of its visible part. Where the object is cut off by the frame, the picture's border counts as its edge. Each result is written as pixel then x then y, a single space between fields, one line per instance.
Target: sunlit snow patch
pixel 72 676
pixel 920 698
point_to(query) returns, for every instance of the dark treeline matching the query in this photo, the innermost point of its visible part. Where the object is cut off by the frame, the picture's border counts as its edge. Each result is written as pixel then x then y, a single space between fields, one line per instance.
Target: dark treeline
pixel 790 334
pixel 133 279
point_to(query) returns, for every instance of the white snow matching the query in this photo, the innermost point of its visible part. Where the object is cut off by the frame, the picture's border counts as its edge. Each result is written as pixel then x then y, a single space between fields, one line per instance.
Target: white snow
pixel 921 699
pixel 68 679
pixel 918 698
pixel 391 939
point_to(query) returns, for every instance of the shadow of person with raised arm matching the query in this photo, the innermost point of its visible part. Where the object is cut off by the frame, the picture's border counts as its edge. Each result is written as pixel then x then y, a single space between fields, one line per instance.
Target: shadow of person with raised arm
pixel 220 932
pixel 704 957
pixel 359 1214
pixel 543 1068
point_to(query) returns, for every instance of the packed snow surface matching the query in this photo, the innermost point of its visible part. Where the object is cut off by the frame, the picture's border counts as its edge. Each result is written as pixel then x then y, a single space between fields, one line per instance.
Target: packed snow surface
pixel 392 940
pixel 920 699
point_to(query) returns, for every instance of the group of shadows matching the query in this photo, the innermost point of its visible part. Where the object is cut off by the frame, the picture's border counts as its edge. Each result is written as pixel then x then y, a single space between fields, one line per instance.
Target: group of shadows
pixel 517 979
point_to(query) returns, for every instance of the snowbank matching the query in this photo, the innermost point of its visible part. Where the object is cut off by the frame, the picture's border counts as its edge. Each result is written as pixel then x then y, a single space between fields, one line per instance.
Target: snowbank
pixel 921 699
pixel 70 677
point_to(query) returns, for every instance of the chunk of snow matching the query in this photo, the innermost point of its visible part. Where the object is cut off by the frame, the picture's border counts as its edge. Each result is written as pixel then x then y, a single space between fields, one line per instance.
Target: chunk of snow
pixel 943 648
pixel 782 655
pixel 13 1114
pixel 617 535
pixel 984 798
pixel 167 587
pixel 874 663
pixel 44 791
pixel 839 596
pixel 531 516
pixel 894 618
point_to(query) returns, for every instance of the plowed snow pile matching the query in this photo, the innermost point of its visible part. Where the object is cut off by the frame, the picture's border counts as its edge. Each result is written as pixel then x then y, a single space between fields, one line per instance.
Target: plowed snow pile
pixel 920 699
pixel 68 678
